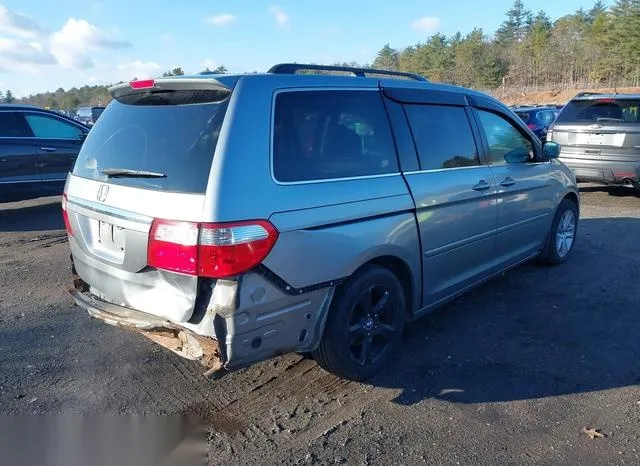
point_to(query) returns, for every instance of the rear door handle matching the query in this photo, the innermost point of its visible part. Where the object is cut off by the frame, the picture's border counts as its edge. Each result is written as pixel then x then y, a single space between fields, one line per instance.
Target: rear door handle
pixel 507 182
pixel 481 186
pixel 48 149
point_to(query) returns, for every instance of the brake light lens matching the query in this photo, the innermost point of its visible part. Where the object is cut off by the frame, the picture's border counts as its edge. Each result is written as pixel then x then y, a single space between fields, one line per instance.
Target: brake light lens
pixel 142 84
pixel 531 126
pixel 65 215
pixel 550 133
pixel 216 250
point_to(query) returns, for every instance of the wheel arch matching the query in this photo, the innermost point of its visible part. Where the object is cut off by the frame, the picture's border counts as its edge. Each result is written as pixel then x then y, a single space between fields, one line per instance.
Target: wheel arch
pixel 401 269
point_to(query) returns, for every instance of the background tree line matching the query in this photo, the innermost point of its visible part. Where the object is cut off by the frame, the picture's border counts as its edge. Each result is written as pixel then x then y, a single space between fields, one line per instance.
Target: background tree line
pixel 529 51
pixel 599 46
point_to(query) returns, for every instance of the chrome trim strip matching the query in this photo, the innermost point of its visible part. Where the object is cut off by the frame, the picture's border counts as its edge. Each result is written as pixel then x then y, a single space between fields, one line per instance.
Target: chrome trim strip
pixel 108 210
pixel 34 181
pixel 437 170
pixel 333 180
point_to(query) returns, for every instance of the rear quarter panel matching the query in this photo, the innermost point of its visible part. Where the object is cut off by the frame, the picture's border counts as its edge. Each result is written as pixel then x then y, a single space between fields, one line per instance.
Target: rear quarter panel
pixel 323 244
pixel 327 229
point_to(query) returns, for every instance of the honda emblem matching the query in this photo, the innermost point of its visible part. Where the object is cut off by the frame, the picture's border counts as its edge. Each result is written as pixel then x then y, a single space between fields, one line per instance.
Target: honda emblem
pixel 103 190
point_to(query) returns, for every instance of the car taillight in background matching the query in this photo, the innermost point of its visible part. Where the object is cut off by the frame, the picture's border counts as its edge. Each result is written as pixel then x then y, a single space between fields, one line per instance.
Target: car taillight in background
pixel 216 250
pixel 65 215
pixel 550 133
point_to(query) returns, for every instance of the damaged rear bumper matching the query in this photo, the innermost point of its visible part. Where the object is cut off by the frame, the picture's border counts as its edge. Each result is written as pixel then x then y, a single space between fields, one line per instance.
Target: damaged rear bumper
pixel 178 339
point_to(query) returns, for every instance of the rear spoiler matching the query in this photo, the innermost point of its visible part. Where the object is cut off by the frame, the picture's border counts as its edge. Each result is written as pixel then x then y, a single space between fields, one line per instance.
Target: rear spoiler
pixel 166 84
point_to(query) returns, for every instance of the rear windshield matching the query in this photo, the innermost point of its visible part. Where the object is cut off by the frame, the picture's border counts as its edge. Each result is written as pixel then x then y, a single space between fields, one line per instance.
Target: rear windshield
pixel 96 112
pixel 621 111
pixel 523 116
pixel 163 134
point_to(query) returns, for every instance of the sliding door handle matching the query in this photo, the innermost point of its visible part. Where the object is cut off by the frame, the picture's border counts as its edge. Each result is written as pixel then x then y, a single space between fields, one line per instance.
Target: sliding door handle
pixel 508 181
pixel 481 186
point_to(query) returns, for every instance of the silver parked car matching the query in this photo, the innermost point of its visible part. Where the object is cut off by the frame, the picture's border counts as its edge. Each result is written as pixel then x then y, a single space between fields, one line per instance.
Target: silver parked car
pixel 600 138
pixel 235 218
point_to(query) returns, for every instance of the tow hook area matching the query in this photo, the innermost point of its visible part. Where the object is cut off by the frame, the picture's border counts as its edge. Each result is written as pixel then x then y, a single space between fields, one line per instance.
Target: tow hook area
pixel 190 346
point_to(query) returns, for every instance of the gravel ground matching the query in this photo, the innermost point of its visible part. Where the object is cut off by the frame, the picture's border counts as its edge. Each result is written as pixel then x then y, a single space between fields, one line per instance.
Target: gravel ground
pixel 508 374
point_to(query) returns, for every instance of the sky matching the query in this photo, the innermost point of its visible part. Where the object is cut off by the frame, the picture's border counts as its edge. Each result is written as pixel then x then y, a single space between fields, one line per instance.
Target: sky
pixel 47 44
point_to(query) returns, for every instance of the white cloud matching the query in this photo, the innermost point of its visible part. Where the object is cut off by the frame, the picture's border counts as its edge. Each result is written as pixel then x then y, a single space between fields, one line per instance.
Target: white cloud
pixel 281 17
pixel 15 53
pixel 208 63
pixel 138 69
pixel 19 25
pixel 426 24
pixel 223 19
pixel 73 44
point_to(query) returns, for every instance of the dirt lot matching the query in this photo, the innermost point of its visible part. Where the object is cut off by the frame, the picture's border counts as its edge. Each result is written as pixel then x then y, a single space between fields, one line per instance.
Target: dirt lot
pixel 508 374
pixel 552 97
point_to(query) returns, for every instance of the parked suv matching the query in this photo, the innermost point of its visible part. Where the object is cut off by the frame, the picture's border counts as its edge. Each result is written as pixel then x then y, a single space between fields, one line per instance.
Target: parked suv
pixel 236 218
pixel 538 119
pixel 37 151
pixel 88 115
pixel 600 138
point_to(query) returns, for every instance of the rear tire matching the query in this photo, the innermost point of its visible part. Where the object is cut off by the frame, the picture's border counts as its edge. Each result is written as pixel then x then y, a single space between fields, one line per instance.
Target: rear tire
pixel 562 234
pixel 364 326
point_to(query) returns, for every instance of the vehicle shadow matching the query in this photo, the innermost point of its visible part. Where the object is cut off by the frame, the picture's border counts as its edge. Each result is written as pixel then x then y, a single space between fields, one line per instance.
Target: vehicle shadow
pixel 615 191
pixel 35 215
pixel 536 331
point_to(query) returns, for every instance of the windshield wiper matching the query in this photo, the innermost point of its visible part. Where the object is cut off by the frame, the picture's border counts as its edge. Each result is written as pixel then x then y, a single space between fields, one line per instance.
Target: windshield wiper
pixel 126 172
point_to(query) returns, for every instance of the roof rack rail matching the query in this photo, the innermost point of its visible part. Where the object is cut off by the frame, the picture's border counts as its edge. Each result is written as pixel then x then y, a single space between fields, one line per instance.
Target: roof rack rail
pixel 587 93
pixel 293 68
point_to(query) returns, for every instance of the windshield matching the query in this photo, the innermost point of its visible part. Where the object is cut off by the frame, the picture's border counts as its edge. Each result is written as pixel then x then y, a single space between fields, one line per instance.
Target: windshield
pixel 156 136
pixel 621 111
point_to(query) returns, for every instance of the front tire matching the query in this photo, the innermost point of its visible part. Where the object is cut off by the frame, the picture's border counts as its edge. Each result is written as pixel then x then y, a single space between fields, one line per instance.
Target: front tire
pixel 364 326
pixel 562 234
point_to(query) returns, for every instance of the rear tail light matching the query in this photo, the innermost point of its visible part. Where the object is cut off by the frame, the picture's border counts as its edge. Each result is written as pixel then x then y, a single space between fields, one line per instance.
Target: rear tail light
pixel 531 126
pixel 65 215
pixel 216 250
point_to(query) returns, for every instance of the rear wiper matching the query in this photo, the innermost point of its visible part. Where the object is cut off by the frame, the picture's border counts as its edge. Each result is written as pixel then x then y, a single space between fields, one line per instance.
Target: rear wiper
pixel 126 172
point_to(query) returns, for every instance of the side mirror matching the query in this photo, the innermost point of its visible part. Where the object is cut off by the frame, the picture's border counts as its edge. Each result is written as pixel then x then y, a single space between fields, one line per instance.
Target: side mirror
pixel 551 150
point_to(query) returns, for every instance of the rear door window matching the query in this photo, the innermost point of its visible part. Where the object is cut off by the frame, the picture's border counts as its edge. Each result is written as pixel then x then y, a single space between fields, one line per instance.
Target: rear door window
pixel 13 125
pixel 171 133
pixel 603 111
pixel 44 126
pixel 322 135
pixel 547 116
pixel 443 136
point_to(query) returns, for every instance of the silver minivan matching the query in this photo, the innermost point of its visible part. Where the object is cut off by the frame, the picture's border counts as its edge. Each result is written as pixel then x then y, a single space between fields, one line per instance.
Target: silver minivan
pixel 235 218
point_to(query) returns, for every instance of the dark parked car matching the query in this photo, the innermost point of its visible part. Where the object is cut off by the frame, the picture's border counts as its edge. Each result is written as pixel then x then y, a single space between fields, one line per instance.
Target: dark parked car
pixel 600 138
pixel 538 119
pixel 37 150
pixel 88 115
